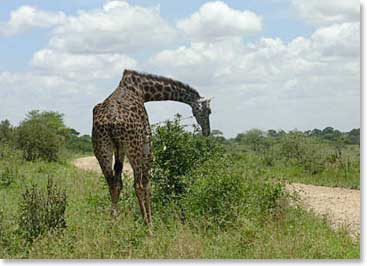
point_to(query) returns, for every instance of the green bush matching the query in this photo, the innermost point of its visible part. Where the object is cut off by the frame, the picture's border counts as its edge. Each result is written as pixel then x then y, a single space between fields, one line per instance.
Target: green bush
pixel 9 153
pixel 303 151
pixel 8 175
pixel 224 192
pixel 176 153
pixel 41 135
pixel 7 132
pixel 42 211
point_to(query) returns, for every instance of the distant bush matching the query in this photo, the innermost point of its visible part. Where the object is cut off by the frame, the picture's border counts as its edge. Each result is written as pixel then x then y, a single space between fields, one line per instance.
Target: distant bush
pixel 303 151
pixel 42 211
pixel 254 138
pixel 176 153
pixel 41 135
pixel 76 143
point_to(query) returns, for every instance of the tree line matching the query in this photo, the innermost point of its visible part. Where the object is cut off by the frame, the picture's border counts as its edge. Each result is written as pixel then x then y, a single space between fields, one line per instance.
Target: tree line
pixel 328 134
pixel 43 135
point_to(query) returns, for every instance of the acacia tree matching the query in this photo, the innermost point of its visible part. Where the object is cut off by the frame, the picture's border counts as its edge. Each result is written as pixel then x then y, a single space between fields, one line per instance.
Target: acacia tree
pixel 41 135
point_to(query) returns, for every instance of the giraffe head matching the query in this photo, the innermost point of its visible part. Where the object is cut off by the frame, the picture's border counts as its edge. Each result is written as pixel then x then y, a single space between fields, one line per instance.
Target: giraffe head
pixel 201 111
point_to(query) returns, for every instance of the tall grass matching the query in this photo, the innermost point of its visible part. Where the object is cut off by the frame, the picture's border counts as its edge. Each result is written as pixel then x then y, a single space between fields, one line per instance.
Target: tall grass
pixel 286 232
pixel 223 205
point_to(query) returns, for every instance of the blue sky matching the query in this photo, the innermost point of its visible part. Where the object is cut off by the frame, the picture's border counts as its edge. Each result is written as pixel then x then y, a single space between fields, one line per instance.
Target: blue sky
pixel 269 64
pixel 279 21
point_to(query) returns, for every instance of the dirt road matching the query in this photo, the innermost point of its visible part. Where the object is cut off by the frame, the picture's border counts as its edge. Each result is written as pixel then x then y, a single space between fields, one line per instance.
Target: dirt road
pixel 342 206
pixel 91 164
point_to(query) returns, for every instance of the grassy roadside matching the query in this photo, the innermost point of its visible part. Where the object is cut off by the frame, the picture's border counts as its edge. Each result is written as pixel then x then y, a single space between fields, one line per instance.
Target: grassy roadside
pixel 91 233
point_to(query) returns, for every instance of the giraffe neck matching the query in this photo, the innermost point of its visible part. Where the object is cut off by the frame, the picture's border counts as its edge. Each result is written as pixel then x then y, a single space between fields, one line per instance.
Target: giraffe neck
pixel 157 88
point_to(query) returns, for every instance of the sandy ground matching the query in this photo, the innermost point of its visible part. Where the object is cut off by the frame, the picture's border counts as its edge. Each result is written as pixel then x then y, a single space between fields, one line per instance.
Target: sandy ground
pixel 342 206
pixel 91 164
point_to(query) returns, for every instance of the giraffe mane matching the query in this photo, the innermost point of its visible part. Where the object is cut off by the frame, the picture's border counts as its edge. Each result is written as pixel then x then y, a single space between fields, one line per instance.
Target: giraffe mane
pixel 164 79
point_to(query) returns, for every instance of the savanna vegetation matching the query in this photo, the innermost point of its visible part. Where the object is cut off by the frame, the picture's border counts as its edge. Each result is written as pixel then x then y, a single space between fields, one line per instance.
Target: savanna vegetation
pixel 212 197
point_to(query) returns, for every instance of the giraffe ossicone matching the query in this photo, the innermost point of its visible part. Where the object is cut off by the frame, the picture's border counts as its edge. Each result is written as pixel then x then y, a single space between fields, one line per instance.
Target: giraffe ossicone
pixel 121 127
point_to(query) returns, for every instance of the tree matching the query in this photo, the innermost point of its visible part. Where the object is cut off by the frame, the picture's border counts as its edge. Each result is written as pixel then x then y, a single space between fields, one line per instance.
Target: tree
pixel 331 134
pixel 41 135
pixel 354 136
pixel 254 138
pixel 316 132
pixel 272 133
pixel 218 135
pixel 6 132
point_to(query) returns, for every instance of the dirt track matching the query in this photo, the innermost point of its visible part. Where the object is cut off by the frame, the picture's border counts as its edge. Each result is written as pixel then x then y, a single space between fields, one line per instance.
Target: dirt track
pixel 342 206
pixel 91 164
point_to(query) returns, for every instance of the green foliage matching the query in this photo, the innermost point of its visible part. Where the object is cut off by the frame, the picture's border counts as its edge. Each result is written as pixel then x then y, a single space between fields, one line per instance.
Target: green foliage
pixel 41 135
pixel 353 136
pixel 254 138
pixel 8 175
pixel 7 132
pixel 176 153
pixel 233 206
pixel 92 233
pixel 9 165
pixel 224 192
pixel 9 153
pixel 77 143
pixel 41 211
pixel 302 151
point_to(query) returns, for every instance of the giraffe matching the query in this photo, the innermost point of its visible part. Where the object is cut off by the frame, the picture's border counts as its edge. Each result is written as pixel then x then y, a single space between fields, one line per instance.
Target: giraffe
pixel 121 127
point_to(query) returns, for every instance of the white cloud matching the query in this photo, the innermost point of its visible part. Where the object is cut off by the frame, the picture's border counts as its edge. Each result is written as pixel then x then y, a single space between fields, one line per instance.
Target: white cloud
pixel 116 28
pixel 306 82
pixel 22 92
pixel 216 20
pixel 231 60
pixel 81 66
pixel 25 18
pixel 269 76
pixel 327 11
pixel 338 39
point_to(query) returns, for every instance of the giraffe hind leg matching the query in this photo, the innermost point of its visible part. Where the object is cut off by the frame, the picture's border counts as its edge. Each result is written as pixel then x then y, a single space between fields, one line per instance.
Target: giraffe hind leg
pixel 103 150
pixel 118 166
pixel 135 155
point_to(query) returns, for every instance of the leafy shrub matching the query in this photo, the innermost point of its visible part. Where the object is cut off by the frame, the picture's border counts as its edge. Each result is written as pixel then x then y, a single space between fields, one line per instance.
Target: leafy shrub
pixel 302 151
pixel 41 135
pixel 176 153
pixel 7 134
pixel 41 211
pixel 9 153
pixel 224 192
pixel 8 175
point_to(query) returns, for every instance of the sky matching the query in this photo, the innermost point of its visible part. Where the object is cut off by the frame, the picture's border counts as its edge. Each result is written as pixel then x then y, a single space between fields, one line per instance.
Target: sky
pixel 268 64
